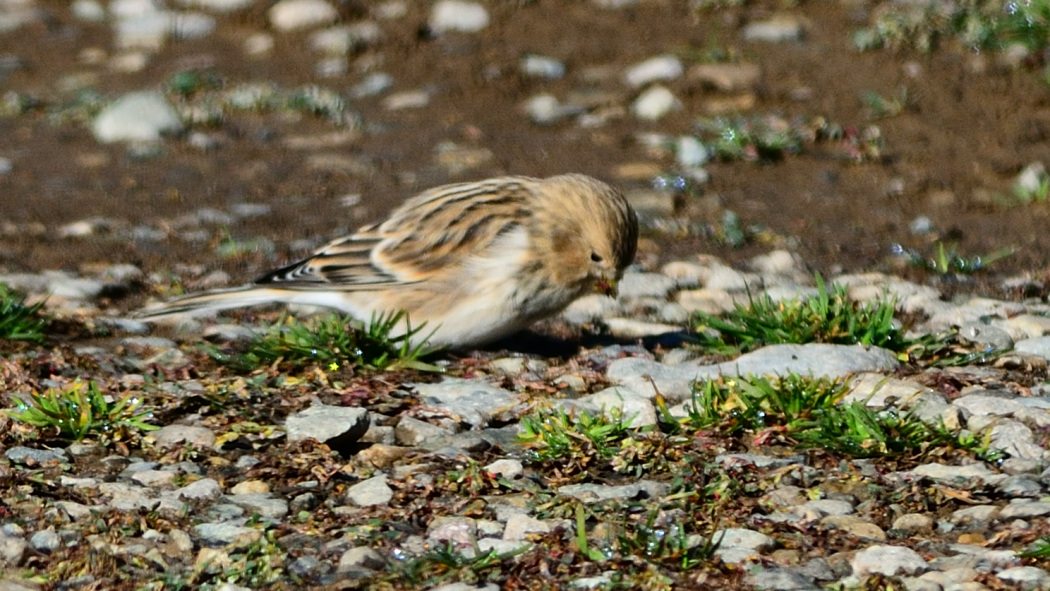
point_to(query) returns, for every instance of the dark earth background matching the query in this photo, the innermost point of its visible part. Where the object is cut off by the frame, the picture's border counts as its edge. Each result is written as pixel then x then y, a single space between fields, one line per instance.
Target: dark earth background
pixel 970 127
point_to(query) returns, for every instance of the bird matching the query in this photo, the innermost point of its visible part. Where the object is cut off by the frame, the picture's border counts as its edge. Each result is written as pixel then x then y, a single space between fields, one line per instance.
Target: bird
pixel 470 262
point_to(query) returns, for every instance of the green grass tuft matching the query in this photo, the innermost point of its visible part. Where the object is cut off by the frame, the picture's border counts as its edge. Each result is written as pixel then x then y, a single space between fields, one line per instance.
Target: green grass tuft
pixel 553 434
pixel 19 322
pixel 828 317
pixel 333 341
pixel 808 412
pixel 947 260
pixel 82 410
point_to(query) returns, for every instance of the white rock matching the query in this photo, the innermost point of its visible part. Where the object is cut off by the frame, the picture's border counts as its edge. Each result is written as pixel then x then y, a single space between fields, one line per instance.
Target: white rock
pixel 292 15
pixel 147 31
pixel 138 116
pixel 660 68
pixel 192 25
pixel 775 30
pixel 258 44
pixel 1031 178
pixel 372 84
pixel 221 6
pixel 412 99
pixel 122 9
pixel 890 561
pixel 373 491
pixel 545 109
pixel 690 151
pixel 539 66
pixel 458 15
pixel 88 10
pixel 654 103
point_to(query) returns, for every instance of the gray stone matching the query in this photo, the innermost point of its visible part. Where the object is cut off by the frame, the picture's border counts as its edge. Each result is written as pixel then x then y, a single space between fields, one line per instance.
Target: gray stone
pixel 987 335
pixel 1015 439
pixel 657 69
pixel 1021 486
pixel 778 29
pixel 414 432
pixel 737 545
pixel 361 557
pixel 335 426
pixel 12 549
pixel 138 117
pixel 29 456
pixel 654 103
pixel 206 489
pixel 591 493
pixel 291 15
pixel 538 66
pixel 634 286
pixel 466 587
pixel 891 561
pixel 222 534
pixel 1025 577
pixel 262 504
pixel 913 523
pixel 457 15
pixel 819 360
pixel 780 579
pixel 958 475
pixel 177 435
pixel 373 491
pixel 1024 509
pixel 506 468
pixel 45 541
pixel 474 402
pixel 518 526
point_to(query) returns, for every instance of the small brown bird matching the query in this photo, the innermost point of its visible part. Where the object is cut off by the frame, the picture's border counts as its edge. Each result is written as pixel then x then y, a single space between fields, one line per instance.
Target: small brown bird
pixel 474 261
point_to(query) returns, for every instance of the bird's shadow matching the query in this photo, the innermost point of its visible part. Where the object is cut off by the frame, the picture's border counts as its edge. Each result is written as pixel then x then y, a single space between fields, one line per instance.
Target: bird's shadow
pixel 531 343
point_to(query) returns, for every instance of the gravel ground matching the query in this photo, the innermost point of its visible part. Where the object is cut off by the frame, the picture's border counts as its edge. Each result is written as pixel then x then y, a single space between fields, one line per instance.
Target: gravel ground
pixel 338 476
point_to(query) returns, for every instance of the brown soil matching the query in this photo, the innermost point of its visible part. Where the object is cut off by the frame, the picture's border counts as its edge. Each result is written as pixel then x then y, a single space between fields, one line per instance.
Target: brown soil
pixel 973 126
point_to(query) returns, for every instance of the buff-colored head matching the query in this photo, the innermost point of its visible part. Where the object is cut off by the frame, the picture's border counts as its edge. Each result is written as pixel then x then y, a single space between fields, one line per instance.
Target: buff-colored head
pixel 587 228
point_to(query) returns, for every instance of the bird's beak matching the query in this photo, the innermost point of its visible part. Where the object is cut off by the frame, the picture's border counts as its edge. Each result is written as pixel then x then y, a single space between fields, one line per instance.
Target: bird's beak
pixel 606 286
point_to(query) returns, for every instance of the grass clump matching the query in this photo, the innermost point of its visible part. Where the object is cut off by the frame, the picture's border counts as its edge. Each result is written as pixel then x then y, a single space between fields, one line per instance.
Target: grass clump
pixel 19 322
pixel 947 260
pixel 82 410
pixel 808 412
pixel 334 341
pixel 828 317
pixel 978 24
pixel 553 434
pixel 771 137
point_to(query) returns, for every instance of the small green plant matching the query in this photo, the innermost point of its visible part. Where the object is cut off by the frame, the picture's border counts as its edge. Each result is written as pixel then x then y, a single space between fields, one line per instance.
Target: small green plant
pixel 334 341
pixel 978 24
pixel 808 412
pixel 756 138
pixel 19 322
pixel 552 434
pixel 828 317
pixel 1039 549
pixel 446 562
pixel 947 260
pixel 882 107
pixel 1034 192
pixel 82 410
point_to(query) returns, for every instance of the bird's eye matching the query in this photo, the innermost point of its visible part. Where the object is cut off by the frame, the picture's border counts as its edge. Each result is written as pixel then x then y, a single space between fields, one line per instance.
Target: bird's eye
pixel 595 257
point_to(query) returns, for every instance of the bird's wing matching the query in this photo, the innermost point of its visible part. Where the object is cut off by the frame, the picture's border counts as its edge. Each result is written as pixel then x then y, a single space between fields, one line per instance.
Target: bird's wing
pixel 437 230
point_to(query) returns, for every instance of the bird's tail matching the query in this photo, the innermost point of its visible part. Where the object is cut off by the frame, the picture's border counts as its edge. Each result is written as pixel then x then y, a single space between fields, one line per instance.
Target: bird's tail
pixel 220 299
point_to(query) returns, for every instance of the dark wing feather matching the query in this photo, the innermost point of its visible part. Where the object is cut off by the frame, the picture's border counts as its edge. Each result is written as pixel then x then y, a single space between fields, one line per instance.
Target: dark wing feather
pixel 438 229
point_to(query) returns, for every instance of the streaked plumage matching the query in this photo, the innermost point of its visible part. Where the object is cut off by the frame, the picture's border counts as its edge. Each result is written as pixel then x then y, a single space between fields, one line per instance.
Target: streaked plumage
pixel 475 261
